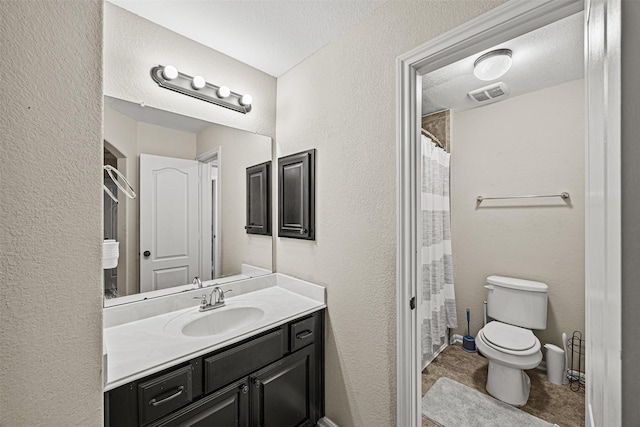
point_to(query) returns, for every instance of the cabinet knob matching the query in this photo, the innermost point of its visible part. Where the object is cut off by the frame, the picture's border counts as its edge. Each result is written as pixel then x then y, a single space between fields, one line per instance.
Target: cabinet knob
pixel 256 382
pixel 244 389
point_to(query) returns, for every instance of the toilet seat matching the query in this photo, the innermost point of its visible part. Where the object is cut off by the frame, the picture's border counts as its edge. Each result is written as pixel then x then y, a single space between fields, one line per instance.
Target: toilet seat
pixel 525 359
pixel 510 339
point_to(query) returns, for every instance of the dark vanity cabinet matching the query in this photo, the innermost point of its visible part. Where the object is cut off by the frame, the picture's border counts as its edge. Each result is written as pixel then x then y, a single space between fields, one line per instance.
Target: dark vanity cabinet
pixel 259 199
pixel 296 195
pixel 284 391
pixel 274 379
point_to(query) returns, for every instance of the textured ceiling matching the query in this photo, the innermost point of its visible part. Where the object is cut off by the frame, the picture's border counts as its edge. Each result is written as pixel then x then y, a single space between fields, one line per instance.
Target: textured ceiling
pixel 543 58
pixel 270 35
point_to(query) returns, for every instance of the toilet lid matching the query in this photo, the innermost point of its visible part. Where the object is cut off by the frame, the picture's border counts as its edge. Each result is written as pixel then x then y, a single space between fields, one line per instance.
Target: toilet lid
pixel 509 337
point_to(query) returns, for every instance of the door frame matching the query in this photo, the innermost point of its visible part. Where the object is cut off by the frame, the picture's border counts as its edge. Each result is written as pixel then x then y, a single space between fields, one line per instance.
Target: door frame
pixel 602 188
pixel 206 159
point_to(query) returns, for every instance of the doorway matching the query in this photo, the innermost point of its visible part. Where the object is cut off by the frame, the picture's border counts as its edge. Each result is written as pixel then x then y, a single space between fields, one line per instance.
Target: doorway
pixel 601 195
pixel 110 222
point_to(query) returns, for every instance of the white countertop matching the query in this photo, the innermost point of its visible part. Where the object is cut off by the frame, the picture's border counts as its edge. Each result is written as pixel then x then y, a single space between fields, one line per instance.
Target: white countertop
pixel 143 347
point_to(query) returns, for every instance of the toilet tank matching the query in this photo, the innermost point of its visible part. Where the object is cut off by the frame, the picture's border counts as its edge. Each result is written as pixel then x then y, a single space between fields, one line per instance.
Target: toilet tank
pixel 517 302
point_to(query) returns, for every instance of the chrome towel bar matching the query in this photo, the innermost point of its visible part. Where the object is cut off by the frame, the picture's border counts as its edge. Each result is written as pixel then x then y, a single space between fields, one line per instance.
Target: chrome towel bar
pixel 564 196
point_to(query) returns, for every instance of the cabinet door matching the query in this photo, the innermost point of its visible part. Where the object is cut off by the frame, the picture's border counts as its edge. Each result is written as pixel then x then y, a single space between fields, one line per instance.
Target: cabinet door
pixel 296 195
pixel 259 199
pixel 284 393
pixel 228 407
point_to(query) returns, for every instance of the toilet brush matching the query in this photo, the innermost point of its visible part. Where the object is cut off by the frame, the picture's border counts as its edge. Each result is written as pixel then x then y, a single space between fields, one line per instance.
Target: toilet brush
pixel 468 342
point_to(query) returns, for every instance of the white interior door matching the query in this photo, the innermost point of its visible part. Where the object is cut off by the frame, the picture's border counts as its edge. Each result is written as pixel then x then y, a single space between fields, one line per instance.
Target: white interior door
pixel 169 212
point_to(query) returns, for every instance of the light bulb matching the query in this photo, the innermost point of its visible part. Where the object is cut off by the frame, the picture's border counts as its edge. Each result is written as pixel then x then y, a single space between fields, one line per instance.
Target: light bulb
pixel 492 65
pixel 246 100
pixel 169 72
pixel 198 82
pixel 223 92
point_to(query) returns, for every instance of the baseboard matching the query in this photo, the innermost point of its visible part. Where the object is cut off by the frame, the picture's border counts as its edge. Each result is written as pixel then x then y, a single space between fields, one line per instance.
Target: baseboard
pixel 326 422
pixel 457 339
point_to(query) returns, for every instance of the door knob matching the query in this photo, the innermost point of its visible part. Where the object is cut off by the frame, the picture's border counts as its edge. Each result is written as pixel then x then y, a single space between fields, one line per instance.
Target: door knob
pixel 146 253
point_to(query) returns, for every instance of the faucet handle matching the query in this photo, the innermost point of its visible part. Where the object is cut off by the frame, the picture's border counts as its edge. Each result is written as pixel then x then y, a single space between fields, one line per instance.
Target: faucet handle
pixel 203 300
pixel 222 294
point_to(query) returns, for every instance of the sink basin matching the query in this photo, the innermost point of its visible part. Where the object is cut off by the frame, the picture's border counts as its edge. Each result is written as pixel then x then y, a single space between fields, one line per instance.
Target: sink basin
pixel 222 320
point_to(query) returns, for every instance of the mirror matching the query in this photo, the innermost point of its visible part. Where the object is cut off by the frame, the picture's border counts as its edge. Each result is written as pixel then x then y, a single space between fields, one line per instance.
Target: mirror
pixel 188 218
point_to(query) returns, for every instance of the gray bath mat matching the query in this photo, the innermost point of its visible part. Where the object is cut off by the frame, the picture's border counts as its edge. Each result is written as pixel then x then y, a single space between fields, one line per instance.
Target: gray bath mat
pixel 451 404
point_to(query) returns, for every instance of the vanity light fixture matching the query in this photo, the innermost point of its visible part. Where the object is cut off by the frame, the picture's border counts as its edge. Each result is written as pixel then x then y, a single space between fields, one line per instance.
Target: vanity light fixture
pixel 198 82
pixel 492 65
pixel 223 92
pixel 246 100
pixel 170 78
pixel 169 72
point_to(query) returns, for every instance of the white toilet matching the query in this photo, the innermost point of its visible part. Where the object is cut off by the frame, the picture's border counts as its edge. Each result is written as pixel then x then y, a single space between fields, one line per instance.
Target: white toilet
pixel 516 306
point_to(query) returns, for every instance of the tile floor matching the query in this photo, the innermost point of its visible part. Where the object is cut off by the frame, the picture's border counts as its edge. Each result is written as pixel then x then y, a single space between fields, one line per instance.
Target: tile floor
pixel 550 402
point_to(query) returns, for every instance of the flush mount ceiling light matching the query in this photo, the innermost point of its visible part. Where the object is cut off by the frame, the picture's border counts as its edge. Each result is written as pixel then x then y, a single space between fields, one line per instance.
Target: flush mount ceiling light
pixel 168 77
pixel 492 65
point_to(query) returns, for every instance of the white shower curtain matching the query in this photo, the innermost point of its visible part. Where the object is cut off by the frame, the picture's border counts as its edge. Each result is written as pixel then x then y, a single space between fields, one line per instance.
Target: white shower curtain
pixel 438 296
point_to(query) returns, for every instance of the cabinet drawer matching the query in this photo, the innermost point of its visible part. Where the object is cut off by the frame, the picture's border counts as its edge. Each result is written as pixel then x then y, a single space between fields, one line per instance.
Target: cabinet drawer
pixel 228 407
pixel 164 394
pixel 227 366
pixel 302 333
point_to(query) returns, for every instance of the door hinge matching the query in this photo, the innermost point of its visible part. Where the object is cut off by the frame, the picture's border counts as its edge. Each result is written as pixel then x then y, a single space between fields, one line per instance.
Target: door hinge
pixel 412 303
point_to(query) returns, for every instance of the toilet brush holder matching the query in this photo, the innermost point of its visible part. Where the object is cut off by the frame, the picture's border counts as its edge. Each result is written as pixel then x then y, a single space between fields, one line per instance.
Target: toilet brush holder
pixel 468 342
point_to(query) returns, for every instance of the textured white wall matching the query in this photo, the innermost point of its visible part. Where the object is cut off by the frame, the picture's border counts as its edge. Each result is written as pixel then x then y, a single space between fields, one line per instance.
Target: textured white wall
pixel 133 45
pixel 531 144
pixel 341 101
pixel 50 219
pixel 239 150
pixel 162 141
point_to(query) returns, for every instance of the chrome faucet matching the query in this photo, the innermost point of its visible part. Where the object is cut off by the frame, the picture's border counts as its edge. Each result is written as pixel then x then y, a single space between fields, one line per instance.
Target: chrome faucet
pixel 216 295
pixel 197 282
pixel 216 299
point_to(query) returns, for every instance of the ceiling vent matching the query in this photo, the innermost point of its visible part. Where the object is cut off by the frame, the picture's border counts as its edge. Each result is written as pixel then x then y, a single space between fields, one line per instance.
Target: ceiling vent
pixel 490 92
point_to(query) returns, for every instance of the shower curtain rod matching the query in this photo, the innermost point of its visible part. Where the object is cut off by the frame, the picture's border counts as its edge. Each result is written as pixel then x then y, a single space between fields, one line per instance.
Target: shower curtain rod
pixel 564 196
pixel 432 137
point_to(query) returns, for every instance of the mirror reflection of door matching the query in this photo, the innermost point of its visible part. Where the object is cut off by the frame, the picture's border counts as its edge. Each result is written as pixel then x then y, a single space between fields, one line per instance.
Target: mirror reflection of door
pixel 169 228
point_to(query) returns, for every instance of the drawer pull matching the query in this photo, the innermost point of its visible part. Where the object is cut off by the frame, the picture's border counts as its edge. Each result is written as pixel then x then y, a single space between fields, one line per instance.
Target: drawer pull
pixel 155 402
pixel 304 334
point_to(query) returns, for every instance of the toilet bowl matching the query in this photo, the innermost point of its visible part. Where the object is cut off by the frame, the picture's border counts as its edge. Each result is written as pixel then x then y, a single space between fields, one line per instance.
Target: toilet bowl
pixel 510 349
